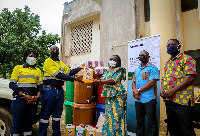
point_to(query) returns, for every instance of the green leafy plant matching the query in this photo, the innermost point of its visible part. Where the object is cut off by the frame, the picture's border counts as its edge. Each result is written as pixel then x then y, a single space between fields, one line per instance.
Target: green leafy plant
pixel 19 30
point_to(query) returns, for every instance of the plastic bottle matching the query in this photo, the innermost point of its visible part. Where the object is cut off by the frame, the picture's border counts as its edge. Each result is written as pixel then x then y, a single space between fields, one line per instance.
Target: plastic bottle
pixel 88 75
pixel 80 131
pixel 91 131
pixel 70 130
pixel 99 131
pixel 101 119
pixel 86 127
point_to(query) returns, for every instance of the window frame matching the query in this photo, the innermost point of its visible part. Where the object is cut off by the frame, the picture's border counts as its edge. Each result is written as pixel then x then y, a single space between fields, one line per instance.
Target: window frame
pixel 147 14
pixel 185 7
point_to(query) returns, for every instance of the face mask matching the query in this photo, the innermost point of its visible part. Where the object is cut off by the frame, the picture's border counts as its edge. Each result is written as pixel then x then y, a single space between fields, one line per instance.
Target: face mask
pixel 31 60
pixel 172 50
pixel 143 59
pixel 54 53
pixel 112 63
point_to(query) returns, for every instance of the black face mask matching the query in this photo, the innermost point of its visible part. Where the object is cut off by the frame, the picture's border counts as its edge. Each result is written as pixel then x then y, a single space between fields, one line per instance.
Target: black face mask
pixel 143 59
pixel 54 53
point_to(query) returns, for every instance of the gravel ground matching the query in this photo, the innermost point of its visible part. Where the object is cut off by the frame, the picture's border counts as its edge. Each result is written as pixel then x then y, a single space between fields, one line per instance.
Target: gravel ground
pixel 49 130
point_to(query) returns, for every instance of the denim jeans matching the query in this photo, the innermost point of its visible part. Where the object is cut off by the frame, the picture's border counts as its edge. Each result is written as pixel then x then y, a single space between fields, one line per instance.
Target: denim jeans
pixel 179 119
pixel 148 109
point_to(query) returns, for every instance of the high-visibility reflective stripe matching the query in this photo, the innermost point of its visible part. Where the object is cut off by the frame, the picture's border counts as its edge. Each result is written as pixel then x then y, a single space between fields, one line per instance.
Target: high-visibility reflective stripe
pixel 13 80
pixel 68 72
pixel 51 77
pixel 56 119
pixel 15 134
pixel 39 83
pixel 27 133
pixel 26 85
pixel 44 121
pixel 29 76
pixel 56 73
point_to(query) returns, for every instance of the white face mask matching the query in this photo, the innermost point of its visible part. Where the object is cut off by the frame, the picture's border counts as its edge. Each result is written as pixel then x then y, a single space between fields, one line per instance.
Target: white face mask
pixel 31 60
pixel 112 63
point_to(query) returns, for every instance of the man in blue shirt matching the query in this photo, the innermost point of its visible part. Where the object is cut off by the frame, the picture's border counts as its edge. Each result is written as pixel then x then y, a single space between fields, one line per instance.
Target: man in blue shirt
pixel 143 85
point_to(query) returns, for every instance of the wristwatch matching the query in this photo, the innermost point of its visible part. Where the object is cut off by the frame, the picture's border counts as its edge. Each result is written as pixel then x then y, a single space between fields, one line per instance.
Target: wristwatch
pixel 139 90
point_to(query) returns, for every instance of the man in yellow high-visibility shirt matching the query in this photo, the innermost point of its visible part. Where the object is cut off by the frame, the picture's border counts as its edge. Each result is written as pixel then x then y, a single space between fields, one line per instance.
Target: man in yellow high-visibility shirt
pixel 55 73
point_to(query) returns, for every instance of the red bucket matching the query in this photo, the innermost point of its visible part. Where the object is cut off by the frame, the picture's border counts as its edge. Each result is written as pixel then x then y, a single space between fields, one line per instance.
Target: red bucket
pixel 101 100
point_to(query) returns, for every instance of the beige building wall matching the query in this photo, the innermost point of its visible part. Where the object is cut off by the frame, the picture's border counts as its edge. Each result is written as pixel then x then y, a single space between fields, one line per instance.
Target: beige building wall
pixel 162 21
pixel 145 30
pixel 76 13
pixel 117 28
pixel 191 30
pixel 142 19
pixel 179 22
pixel 95 48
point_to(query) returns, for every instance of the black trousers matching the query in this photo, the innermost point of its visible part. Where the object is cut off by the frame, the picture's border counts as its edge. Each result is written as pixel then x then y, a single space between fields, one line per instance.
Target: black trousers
pixel 149 109
pixel 179 119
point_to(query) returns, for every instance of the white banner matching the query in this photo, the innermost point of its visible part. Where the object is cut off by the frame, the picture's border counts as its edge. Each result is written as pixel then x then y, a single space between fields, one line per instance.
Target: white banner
pixel 199 8
pixel 150 44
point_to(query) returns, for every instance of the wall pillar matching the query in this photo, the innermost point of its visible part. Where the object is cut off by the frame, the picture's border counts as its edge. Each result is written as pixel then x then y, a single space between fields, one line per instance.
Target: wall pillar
pixel 163 22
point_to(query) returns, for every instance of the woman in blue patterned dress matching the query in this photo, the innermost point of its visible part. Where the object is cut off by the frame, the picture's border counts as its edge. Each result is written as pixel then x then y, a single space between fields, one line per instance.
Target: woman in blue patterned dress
pixel 115 102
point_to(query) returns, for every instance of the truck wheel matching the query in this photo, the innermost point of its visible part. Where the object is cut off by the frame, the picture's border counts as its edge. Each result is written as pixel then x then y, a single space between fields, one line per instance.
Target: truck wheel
pixel 5 122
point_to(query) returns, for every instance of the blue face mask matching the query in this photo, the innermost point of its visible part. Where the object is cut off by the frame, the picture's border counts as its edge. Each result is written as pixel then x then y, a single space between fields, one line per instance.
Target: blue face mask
pixel 172 50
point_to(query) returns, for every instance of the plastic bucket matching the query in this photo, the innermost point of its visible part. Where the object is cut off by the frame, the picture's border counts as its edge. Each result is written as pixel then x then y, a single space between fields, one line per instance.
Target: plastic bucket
pixel 70 91
pixel 95 94
pixel 83 113
pixel 82 91
pixel 100 108
pixel 68 112
pixel 101 100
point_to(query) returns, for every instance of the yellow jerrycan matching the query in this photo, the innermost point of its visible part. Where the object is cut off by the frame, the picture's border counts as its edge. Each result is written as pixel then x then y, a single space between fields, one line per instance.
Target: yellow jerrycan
pixel 87 75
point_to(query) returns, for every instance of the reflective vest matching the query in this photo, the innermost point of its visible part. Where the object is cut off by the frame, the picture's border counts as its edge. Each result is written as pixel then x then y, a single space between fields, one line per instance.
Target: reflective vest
pixel 51 69
pixel 27 78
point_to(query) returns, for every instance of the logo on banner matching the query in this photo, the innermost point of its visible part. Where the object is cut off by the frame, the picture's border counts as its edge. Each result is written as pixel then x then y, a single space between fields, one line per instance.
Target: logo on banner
pixel 136 46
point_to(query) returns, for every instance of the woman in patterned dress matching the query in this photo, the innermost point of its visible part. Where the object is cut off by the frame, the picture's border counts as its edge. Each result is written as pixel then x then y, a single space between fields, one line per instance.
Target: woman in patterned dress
pixel 115 102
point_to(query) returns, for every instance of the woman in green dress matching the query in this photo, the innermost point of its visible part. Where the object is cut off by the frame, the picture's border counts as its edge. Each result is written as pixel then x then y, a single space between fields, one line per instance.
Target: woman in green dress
pixel 115 102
